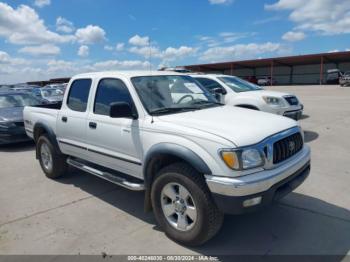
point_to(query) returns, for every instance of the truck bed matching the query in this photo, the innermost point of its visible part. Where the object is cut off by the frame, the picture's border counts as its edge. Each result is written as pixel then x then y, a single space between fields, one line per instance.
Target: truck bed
pixel 45 114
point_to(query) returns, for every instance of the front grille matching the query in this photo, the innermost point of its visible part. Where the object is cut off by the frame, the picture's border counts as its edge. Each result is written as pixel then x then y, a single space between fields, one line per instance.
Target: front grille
pixel 292 100
pixel 287 147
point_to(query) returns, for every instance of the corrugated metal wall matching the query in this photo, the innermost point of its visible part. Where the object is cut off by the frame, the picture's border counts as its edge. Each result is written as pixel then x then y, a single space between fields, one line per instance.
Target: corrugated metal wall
pixel 303 74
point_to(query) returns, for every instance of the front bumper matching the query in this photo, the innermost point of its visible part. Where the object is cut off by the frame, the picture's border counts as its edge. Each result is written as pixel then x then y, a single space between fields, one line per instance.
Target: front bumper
pixel 230 193
pixel 11 136
pixel 295 114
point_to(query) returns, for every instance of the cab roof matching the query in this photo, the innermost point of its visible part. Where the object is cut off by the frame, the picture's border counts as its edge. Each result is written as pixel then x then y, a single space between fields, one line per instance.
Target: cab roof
pixel 127 74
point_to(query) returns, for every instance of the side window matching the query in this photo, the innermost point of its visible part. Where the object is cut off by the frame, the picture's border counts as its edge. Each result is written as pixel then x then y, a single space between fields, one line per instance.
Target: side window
pixel 208 83
pixel 110 91
pixel 79 94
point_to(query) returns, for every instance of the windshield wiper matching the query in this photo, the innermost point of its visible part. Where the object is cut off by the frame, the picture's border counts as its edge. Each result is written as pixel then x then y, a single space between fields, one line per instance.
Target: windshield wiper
pixel 206 103
pixel 169 110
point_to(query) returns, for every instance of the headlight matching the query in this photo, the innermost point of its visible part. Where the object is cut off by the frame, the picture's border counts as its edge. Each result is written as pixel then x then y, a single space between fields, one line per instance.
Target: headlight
pixel 242 159
pixel 251 158
pixel 273 101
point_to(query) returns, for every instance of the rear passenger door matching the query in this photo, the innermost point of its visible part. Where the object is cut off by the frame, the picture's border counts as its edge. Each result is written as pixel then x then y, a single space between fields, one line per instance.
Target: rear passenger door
pixel 113 142
pixel 71 122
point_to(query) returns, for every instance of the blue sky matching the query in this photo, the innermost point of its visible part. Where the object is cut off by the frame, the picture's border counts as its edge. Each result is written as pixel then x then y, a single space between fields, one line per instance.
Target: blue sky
pixel 52 38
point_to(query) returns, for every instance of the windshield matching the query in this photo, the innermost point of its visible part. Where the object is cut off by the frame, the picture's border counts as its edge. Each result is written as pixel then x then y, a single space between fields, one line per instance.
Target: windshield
pixel 18 100
pixel 51 92
pixel 239 85
pixel 172 94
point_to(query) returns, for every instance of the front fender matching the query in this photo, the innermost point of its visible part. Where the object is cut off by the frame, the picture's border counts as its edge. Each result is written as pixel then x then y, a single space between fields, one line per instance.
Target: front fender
pixel 171 149
pixel 179 151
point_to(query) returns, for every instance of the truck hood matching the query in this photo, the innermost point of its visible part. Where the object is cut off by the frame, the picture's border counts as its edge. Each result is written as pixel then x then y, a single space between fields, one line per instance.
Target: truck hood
pixel 13 114
pixel 242 127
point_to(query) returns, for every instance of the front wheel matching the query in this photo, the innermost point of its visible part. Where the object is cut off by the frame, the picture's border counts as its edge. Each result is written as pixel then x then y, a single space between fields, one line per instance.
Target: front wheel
pixel 53 164
pixel 183 205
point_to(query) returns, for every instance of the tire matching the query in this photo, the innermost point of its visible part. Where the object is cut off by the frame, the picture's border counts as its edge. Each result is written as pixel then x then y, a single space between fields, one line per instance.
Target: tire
pixel 46 151
pixel 208 219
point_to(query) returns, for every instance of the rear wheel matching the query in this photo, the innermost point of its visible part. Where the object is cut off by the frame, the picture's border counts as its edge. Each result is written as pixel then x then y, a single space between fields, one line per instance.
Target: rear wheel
pixel 183 206
pixel 53 164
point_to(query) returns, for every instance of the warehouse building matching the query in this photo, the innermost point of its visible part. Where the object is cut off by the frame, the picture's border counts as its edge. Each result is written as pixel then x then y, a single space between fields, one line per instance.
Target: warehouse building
pixel 49 82
pixel 292 70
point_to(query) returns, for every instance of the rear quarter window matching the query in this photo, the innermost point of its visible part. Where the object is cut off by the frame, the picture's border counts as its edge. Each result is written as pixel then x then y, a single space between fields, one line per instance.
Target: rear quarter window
pixel 79 94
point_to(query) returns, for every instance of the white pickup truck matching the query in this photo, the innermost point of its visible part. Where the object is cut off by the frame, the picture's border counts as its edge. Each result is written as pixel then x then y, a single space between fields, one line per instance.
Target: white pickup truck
pixel 235 91
pixel 164 134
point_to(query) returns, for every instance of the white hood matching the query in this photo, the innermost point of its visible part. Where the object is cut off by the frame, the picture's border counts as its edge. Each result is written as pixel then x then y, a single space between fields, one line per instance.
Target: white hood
pixel 261 93
pixel 242 127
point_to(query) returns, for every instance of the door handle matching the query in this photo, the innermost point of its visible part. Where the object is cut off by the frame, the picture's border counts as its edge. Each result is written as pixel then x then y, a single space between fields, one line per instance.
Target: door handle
pixel 64 119
pixel 93 125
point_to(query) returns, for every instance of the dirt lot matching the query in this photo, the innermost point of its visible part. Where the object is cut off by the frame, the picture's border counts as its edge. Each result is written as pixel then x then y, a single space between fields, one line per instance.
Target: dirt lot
pixel 86 215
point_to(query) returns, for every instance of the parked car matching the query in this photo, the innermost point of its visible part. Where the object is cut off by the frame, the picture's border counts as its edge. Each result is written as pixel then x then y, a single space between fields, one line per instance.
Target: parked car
pixel 12 104
pixel 235 91
pixel 23 88
pixel 5 88
pixel 195 159
pixel 345 79
pixel 252 79
pixel 333 76
pixel 51 95
pixel 175 69
pixel 266 81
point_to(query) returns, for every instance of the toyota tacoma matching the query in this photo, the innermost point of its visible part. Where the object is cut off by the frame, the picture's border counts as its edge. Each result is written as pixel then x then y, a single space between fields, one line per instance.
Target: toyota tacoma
pixel 164 134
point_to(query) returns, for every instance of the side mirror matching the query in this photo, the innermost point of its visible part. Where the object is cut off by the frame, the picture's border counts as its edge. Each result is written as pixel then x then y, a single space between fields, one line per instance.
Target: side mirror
pixel 219 91
pixel 122 110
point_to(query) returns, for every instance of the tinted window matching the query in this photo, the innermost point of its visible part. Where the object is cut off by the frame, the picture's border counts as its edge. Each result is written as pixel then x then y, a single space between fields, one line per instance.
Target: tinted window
pixel 79 94
pixel 110 91
pixel 208 83
pixel 239 85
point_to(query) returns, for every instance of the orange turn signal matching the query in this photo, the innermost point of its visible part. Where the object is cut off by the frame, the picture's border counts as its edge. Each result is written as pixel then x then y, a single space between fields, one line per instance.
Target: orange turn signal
pixel 230 159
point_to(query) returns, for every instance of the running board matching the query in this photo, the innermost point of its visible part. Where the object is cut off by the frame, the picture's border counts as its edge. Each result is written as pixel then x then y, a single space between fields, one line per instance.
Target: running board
pixel 120 181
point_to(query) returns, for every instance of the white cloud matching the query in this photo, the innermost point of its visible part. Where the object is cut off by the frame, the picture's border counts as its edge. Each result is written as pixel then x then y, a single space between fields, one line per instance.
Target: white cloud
pixel 139 41
pixel 146 51
pixel 6 59
pixel 64 25
pixel 84 51
pixel 41 50
pixel 224 38
pixel 120 65
pixel 90 35
pixel 169 54
pixel 108 48
pixel 23 26
pixel 293 36
pixel 42 3
pixel 334 51
pixel 172 53
pixel 220 2
pixel 329 17
pixel 120 47
pixel 240 51
pixel 9 65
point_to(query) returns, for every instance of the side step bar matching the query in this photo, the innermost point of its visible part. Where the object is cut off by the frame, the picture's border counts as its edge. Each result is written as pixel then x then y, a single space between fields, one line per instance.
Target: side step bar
pixel 120 181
